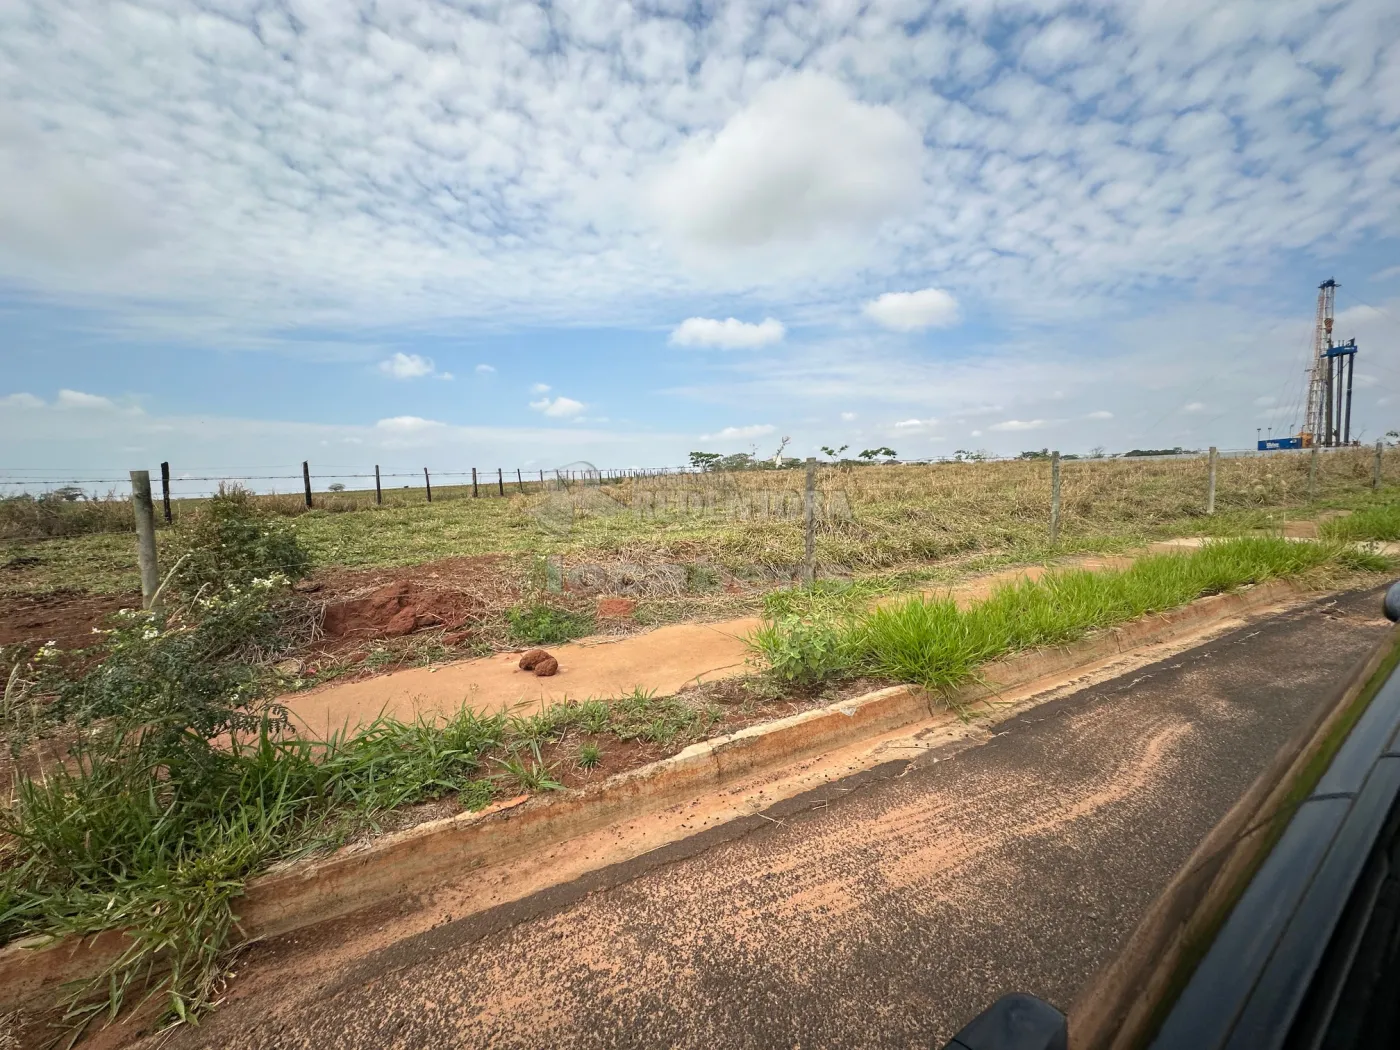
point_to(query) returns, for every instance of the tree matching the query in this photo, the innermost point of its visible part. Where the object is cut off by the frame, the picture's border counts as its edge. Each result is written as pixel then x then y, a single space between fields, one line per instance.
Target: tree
pixel 704 460
pixel 869 454
pixel 338 487
pixel 834 453
pixel 1033 454
pixel 963 455
pixel 1096 452
pixel 778 455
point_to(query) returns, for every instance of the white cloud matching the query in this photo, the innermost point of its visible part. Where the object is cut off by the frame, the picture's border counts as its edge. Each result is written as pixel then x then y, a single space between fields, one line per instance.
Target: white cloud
pixel 485 370
pixel 540 388
pixel 914 311
pixel 1193 407
pixel 21 401
pixel 232 197
pixel 729 334
pixel 1100 414
pixel 407 424
pixel 407 366
pixel 802 159
pixel 847 417
pixel 1012 425
pixel 977 433
pixel 559 407
pixel 735 433
pixel 910 424
pixel 78 399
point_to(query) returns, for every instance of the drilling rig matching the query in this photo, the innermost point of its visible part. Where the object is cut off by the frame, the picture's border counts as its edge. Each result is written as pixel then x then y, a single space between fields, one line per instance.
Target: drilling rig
pixel 1327 417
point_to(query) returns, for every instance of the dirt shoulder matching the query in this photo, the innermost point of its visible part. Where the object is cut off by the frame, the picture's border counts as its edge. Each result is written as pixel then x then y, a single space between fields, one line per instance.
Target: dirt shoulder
pixel 887 907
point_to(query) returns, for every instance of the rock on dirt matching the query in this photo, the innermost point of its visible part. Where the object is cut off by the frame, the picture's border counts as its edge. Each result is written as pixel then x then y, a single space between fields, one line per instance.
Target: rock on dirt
pixel 531 658
pixel 547 667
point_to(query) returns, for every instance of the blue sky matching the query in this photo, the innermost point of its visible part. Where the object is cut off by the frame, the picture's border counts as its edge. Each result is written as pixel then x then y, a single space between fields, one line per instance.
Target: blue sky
pixel 235 234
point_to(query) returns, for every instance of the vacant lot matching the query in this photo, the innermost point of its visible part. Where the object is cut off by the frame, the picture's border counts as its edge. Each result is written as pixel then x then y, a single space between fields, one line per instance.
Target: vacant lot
pixel 747 524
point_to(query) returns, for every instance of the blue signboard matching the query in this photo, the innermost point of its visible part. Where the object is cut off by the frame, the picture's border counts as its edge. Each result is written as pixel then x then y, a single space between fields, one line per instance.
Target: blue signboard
pixel 1271 444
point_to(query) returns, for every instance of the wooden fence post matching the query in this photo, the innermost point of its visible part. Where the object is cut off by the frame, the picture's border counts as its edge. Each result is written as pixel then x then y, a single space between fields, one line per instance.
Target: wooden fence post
pixel 428 484
pixel 1210 486
pixel 500 481
pixel 145 536
pixel 1054 498
pixel 1376 472
pixel 165 489
pixel 475 493
pixel 519 481
pixel 1312 475
pixel 306 481
pixel 809 525
pixel 378 492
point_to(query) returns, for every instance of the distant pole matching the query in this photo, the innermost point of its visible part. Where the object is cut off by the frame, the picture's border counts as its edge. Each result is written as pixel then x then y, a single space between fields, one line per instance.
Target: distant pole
pixel 475 492
pixel 1312 475
pixel 1376 472
pixel 165 489
pixel 306 481
pixel 809 525
pixel 1054 498
pixel 378 491
pixel 541 481
pixel 500 481
pixel 427 484
pixel 519 481
pixel 145 535
pixel 1210 486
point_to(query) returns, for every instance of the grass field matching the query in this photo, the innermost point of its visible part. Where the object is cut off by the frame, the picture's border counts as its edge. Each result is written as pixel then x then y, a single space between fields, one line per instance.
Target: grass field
pixel 874 519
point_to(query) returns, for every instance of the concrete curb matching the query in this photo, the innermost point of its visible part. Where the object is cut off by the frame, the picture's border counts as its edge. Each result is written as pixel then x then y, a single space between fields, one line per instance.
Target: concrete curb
pixel 33 971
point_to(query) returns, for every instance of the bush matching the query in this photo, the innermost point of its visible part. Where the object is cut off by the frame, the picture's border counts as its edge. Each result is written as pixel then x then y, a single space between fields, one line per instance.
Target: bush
pixel 230 540
pixel 197 670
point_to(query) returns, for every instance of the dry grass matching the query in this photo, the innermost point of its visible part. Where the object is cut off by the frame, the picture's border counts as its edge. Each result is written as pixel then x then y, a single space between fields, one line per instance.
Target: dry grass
pixel 750 524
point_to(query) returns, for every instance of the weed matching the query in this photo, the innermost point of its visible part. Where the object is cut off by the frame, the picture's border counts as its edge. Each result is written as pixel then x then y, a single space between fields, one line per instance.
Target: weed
pixel 230 540
pixel 546 625
pixel 594 716
pixel 1372 523
pixel 701 578
pixel 532 775
pixel 589 755
pixel 806 649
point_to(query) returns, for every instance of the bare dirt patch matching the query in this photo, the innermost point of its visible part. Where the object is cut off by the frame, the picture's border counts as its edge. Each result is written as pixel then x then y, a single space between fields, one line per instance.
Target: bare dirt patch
pixel 66 618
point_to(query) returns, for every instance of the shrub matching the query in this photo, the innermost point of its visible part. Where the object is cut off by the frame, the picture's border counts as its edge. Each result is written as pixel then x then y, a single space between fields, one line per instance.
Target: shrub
pixel 230 540
pixel 197 670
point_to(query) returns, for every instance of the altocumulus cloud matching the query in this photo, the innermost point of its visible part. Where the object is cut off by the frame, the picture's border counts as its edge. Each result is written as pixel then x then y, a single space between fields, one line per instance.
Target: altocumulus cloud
pixel 1048 154
pixel 729 334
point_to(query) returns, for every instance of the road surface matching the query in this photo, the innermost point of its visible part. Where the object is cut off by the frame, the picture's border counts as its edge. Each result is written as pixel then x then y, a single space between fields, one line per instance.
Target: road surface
pixel 881 911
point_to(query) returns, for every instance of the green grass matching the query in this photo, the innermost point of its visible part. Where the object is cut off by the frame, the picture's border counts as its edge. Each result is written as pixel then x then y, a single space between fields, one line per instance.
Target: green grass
pixel 935 644
pixel 1380 523
pixel 162 840
pixel 546 625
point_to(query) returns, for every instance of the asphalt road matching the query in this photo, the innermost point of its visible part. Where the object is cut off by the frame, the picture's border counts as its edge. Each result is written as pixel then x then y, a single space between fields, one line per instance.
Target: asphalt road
pixel 882 912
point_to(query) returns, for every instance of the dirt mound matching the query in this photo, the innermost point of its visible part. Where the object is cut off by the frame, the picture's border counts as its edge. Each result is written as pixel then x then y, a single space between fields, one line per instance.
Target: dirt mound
pixel 64 617
pixel 400 608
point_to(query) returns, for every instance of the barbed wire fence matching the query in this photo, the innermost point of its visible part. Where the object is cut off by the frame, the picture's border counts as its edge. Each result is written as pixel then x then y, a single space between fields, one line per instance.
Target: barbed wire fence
pixel 1062 493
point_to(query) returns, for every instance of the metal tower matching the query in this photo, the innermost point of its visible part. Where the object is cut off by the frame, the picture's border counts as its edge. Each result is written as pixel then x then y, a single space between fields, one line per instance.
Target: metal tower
pixel 1327 419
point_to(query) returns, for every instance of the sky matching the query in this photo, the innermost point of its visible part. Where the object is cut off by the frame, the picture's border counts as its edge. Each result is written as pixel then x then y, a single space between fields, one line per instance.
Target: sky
pixel 240 234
